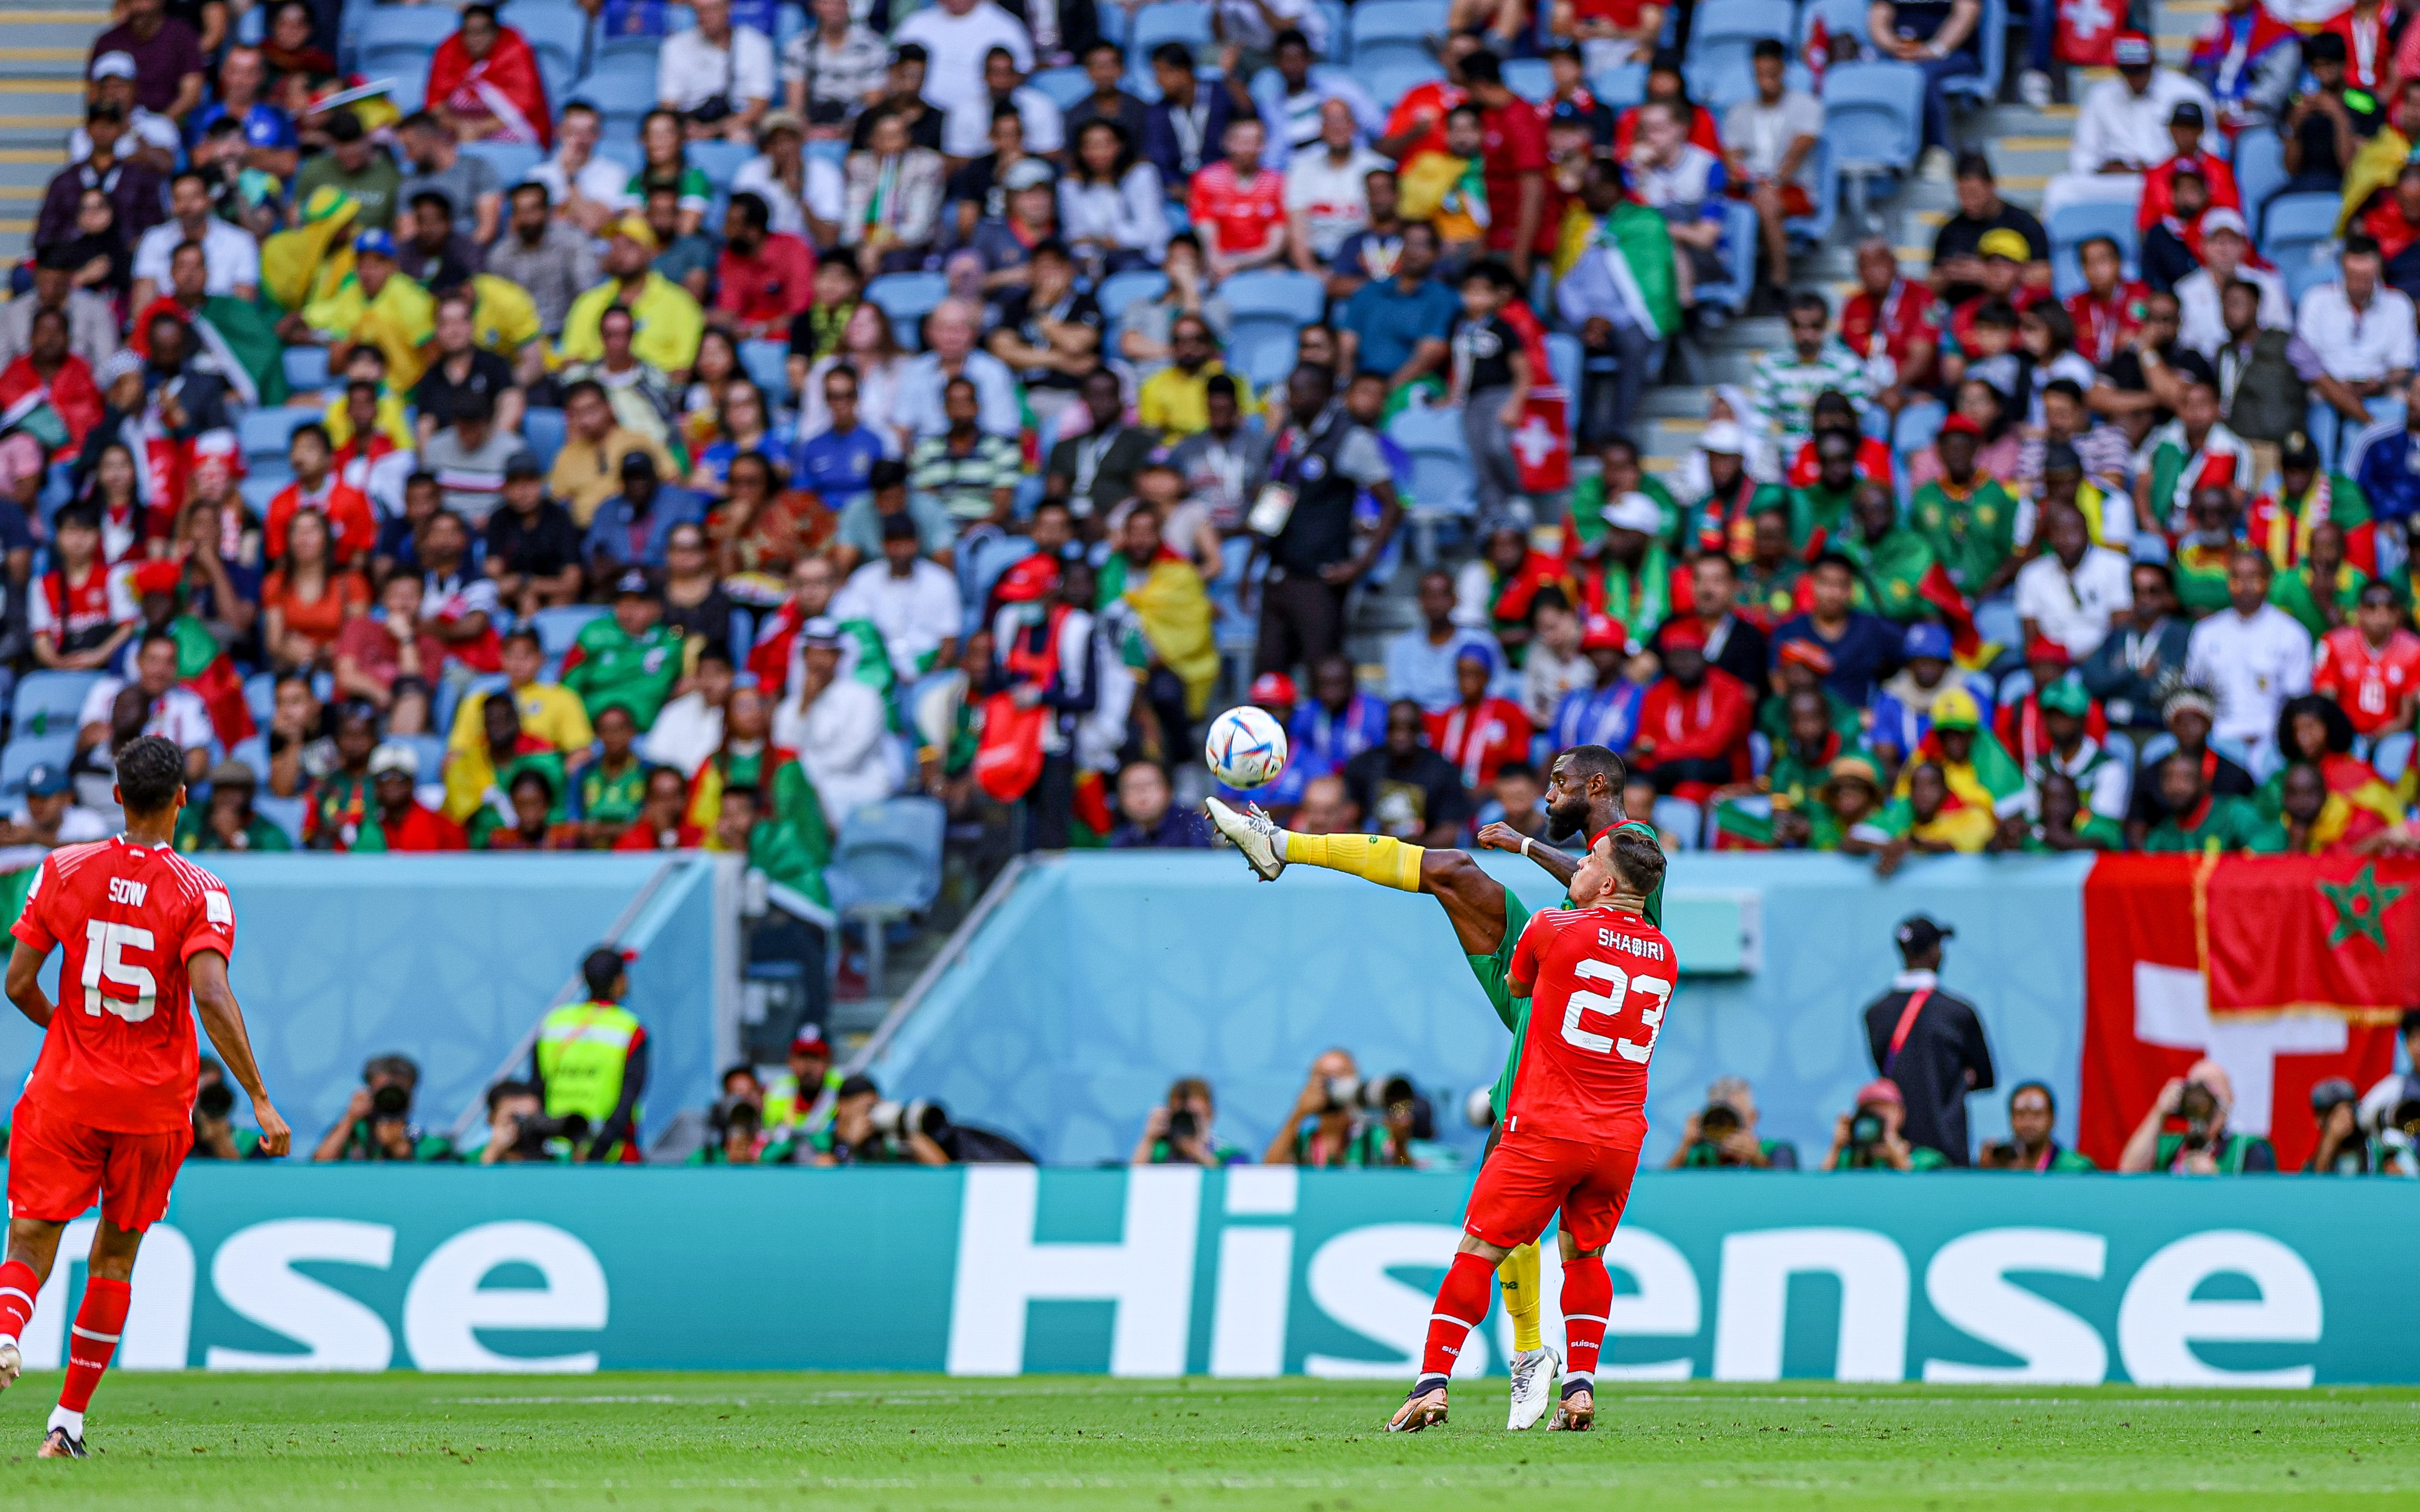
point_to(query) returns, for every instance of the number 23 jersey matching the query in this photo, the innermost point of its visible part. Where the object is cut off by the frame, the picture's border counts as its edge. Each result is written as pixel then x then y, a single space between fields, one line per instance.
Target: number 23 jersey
pixel 1602 980
pixel 121 1054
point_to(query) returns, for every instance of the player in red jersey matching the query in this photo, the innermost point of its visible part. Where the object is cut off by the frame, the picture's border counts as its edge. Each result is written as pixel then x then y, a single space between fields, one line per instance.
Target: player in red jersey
pixel 1576 1119
pixel 108 1111
pixel 2371 667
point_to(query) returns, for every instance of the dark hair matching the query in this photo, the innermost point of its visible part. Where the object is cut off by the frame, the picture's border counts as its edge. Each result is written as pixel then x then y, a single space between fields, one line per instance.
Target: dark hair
pixel 2043 1087
pixel 1807 299
pixel 1517 768
pixel 750 204
pixel 586 386
pixel 309 427
pixel 1120 166
pixel 1482 66
pixel 1097 44
pixel 2066 389
pixel 2053 317
pixel 1833 558
pixel 150 774
pixel 2356 244
pixel 2168 574
pixel 420 120
pixel 2111 243
pixel 2324 47
pixel 1973 165
pixel 1768 47
pixel 1596 760
pixel 1219 386
pixel 602 969
pixel 431 197
pixel 504 1089
pixel 1291 36
pixel 1637 860
pixel 1174 55
pixel 1998 314
pixel 887 474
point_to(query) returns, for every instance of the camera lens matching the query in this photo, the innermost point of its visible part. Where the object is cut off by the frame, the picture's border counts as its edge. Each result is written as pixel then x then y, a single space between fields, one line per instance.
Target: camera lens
pixel 390 1101
pixel 216 1102
pixel 1183 1125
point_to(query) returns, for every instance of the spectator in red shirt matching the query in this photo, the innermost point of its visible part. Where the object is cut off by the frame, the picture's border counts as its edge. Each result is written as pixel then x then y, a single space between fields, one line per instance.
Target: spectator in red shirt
pixel 1512 155
pixel 2184 129
pixel 2109 310
pixel 1480 733
pixel 767 277
pixel 1694 722
pixel 403 822
pixel 2371 667
pixel 396 674
pixel 1417 124
pixel 1244 209
pixel 658 826
pixel 1666 81
pixel 315 487
pixel 1896 311
pixel 1610 32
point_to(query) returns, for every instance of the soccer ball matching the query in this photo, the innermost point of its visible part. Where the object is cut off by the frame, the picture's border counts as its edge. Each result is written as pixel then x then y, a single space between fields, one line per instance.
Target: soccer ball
pixel 1246 748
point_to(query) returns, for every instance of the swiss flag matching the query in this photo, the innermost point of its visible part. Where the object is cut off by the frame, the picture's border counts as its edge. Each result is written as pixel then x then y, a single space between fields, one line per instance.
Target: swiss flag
pixel 2086 31
pixel 2148 922
pixel 1542 444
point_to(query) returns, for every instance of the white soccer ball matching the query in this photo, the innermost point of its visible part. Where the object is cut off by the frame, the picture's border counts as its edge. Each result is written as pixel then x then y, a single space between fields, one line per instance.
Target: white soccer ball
pixel 1246 748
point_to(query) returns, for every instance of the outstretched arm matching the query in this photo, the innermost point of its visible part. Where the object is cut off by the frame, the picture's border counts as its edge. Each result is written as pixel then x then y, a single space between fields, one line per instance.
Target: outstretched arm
pixel 222 1021
pixel 1558 863
pixel 25 986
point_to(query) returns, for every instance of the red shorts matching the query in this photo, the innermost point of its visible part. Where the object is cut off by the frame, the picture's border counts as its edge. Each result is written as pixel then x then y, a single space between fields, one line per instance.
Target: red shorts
pixel 1526 1176
pixel 57 1167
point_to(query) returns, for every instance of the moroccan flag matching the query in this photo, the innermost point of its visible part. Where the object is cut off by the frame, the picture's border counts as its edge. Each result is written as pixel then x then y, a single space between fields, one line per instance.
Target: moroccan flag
pixel 2286 970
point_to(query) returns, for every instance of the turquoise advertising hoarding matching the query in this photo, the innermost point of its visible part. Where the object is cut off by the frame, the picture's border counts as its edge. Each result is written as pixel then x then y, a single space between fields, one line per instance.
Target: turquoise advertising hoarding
pixel 1254 1272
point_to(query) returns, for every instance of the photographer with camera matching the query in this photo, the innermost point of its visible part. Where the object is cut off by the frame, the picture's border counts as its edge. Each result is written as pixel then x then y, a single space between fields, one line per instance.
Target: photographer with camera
pixel 1722 1135
pixel 377 1122
pixel 866 1129
pixel 1929 1043
pixel 2029 1147
pixel 2377 1115
pixel 1870 1139
pixel 590 1061
pixel 2344 1147
pixel 1339 1132
pixel 2200 1100
pixel 740 1137
pixel 1180 1130
pixel 215 1135
pixel 520 1134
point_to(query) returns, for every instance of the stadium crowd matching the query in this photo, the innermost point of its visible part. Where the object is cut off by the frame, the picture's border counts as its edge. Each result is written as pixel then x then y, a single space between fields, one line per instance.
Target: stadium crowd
pixel 808 407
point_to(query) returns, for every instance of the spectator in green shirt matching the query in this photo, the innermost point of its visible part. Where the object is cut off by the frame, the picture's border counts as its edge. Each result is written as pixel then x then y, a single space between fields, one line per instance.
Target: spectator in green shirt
pixel 2032 1111
pixel 376 1123
pixel 1181 1130
pixel 229 823
pixel 2199 820
pixel 1969 518
pixel 2202 1101
pixel 1868 1139
pixel 613 787
pixel 629 658
pixel 1722 1135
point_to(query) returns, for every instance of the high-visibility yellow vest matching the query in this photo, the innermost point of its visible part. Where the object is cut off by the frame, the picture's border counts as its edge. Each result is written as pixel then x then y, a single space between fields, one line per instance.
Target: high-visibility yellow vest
pixel 582 1050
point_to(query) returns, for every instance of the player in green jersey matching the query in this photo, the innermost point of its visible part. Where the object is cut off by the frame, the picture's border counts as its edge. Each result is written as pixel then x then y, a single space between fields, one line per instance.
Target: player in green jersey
pixel 1583 796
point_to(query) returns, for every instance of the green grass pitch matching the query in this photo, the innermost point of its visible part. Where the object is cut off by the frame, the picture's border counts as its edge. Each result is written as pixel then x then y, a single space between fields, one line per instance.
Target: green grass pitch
pixel 901 1443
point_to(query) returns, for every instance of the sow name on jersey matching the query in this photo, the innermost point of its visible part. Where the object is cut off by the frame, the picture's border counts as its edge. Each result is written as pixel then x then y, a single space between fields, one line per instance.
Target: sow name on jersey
pixel 122 890
pixel 1630 944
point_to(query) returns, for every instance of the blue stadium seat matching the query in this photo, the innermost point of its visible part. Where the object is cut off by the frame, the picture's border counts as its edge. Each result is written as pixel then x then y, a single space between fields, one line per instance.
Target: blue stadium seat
pixel 1739 255
pixel 1620 89
pixel 2070 226
pixel 1723 82
pixel 285 813
pixel 1119 290
pixel 431 752
pixel 554 29
pixel 1396 74
pixel 25 753
pixel 405 90
pixel 908 299
pixel 1725 31
pixel 1984 87
pixel 557 628
pixel 719 160
pixel 1299 298
pixel 2259 171
pixel 253 751
pixel 2303 277
pixel 542 429
pixel 307 368
pixel 1564 357
pixel 982 559
pixel 1337 45
pixel 47 701
pixel 260 697
pixel 397 39
pixel 623 89
pixel 769 363
pixel 1419 428
pixel 2297 223
pixel 1402 22
pixel 266 432
pixel 1261 350
pixel 886 866
pixel 512 161
pixel 1063 86
pixel 1168 21
pixel 1837 16
pixel 1874 119
pixel 1529 78
pixel 1816 229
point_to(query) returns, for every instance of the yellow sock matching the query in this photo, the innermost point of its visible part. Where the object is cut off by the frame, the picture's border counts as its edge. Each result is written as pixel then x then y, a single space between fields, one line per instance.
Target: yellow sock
pixel 1517 1277
pixel 1382 859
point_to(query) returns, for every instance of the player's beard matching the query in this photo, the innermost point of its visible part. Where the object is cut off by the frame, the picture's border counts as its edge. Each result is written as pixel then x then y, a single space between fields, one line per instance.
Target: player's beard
pixel 1567 819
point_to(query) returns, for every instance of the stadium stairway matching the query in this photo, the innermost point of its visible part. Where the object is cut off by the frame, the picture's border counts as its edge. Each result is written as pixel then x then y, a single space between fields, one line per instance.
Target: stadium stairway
pixel 42 99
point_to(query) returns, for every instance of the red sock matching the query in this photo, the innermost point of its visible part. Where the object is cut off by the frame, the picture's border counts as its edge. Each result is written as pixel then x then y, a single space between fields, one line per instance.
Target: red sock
pixel 18 1290
pixel 94 1339
pixel 1588 1294
pixel 1461 1304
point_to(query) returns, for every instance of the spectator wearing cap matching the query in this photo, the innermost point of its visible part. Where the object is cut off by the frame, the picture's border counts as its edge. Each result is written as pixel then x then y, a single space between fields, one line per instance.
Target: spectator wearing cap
pixel 2075 593
pixel 1148 819
pixel 1605 711
pixel 628 659
pixel 49 815
pixel 1479 733
pixel 913 602
pixel 631 529
pixel 226 822
pixel 2051 732
pixel 1694 721
pixel 1902 704
pixel 165 54
pixel 1929 1043
pixel 667 321
pixel 2122 127
pixel 534 549
pixel 1631 579
pixel 2225 248
pixel 1864 648
pixel 392 314
pixel 838 726
pixel 2185 123
pixel 1873 1138
pixel 1421 662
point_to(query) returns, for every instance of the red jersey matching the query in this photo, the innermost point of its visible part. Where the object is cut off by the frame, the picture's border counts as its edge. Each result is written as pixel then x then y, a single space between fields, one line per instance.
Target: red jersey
pixel 2369 60
pixel 1513 143
pixel 1426 106
pixel 769 287
pixel 120 1054
pixel 2159 195
pixel 1480 741
pixel 2102 325
pixel 1901 318
pixel 1583 1073
pixel 350 524
pixel 1242 213
pixel 2369 684
pixel 1875 462
pixel 79 616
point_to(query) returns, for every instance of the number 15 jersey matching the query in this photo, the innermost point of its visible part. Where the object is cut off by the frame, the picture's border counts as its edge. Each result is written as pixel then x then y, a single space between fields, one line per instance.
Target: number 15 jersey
pixel 120 1054
pixel 1601 983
